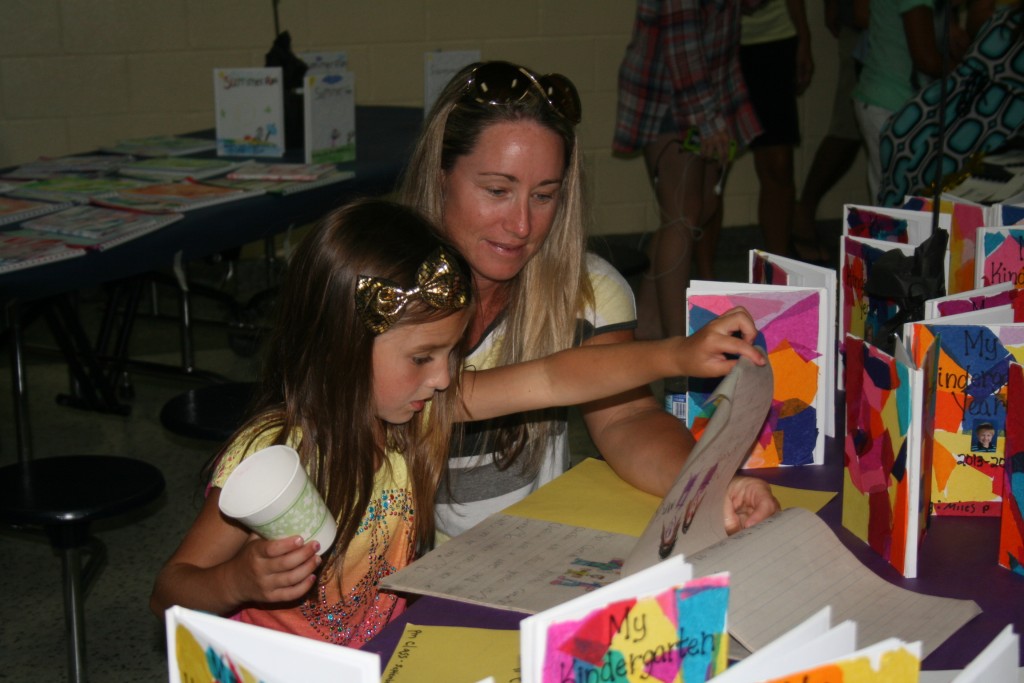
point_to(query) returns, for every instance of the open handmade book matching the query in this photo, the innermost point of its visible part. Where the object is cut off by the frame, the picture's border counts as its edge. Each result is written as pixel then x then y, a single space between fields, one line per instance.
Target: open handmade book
pixel 782 571
pixel 205 647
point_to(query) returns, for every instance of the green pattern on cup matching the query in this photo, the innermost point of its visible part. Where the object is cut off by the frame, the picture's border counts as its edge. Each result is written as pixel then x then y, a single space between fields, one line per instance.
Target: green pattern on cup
pixel 304 517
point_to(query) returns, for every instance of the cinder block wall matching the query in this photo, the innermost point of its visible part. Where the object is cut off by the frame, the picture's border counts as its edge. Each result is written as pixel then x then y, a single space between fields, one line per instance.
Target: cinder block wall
pixel 75 74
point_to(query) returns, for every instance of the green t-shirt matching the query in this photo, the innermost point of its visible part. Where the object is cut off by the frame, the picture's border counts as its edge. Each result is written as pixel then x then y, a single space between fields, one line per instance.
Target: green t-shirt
pixel 887 79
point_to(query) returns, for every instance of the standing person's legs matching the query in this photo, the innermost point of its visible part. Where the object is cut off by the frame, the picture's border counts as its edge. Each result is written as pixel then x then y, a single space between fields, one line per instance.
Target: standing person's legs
pixel 678 180
pixel 871 120
pixel 774 166
pixel 834 156
pixel 832 160
pixel 769 71
pixel 707 245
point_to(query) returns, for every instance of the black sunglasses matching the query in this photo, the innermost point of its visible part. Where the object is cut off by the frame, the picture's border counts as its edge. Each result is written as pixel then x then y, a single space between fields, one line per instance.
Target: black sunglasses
pixel 503 83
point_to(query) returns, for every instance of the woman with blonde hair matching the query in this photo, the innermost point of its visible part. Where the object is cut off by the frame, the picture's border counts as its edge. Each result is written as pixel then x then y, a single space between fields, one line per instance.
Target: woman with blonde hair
pixel 499 168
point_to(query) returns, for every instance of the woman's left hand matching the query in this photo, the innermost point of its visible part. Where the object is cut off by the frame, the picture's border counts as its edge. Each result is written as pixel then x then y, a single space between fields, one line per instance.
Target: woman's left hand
pixel 748 500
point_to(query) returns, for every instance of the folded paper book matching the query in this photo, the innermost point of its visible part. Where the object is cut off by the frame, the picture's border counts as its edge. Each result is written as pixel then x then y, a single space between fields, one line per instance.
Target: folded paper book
pixel 887 453
pixel 659 623
pixel 770 269
pixel 204 647
pixel 971 412
pixel 793 327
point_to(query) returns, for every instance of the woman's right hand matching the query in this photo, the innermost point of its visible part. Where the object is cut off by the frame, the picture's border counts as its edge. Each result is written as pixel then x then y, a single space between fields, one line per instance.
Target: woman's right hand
pixel 713 350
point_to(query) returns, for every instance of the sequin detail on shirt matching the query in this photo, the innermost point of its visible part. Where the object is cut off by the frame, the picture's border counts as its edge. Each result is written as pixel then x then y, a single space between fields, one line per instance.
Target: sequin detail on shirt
pixel 382 545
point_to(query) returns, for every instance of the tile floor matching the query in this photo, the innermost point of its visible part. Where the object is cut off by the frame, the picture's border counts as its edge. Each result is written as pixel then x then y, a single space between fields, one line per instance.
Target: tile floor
pixel 125 642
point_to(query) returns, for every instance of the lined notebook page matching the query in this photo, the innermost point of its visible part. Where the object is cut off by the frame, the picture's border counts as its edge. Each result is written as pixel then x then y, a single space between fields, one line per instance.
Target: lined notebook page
pixel 791 565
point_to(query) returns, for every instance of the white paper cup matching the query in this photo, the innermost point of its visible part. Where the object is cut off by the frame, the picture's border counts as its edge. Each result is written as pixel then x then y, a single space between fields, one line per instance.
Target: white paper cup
pixel 270 493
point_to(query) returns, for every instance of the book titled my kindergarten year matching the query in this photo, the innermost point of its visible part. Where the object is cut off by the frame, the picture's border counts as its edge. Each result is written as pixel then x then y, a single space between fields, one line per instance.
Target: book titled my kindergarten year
pixel 782 570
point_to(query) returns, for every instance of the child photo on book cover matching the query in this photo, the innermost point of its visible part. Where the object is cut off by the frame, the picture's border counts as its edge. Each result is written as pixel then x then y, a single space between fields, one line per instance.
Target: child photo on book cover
pixel 984 440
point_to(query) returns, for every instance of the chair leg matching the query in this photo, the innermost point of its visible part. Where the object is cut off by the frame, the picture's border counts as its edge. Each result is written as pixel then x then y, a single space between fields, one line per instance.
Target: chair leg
pixel 74 617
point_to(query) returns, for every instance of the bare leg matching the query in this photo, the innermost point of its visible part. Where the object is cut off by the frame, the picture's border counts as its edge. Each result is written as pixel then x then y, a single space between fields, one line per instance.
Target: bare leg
pixel 832 160
pixel 707 245
pixel 774 166
pixel 678 178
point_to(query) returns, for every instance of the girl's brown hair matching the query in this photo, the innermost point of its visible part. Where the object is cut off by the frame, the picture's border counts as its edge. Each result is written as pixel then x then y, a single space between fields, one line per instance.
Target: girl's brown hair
pixel 318 379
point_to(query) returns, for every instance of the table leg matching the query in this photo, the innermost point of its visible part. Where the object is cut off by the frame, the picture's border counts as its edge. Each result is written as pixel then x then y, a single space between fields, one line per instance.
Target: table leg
pixel 74 617
pixel 19 384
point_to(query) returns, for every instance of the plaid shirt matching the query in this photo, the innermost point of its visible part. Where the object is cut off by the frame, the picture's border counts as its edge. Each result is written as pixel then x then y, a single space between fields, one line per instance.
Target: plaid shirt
pixel 685 55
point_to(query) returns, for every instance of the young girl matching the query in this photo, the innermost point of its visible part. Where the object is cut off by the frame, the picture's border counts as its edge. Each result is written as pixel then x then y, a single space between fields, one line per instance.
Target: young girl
pixel 369 337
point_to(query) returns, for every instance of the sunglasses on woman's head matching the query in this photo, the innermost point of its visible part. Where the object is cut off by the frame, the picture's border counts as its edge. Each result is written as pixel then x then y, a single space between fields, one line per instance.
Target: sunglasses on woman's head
pixel 498 83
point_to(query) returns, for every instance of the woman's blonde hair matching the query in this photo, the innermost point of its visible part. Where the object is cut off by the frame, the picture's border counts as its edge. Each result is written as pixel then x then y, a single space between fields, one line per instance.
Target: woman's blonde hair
pixel 550 293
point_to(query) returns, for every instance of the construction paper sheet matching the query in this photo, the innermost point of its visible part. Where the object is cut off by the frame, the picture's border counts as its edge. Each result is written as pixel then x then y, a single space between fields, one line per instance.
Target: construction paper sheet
pixel 532 565
pixel 802 498
pixel 580 498
pixel 454 654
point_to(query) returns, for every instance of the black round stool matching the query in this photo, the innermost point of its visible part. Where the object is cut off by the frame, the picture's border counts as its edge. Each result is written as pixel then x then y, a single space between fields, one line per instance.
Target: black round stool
pixel 63 495
pixel 211 412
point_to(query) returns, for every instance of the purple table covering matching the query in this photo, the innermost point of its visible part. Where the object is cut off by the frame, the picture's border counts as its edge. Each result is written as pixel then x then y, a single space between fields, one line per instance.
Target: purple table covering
pixel 430 611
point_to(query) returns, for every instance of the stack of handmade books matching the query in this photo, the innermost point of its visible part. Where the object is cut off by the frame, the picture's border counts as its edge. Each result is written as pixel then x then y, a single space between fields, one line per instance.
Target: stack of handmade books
pixel 96 228
pixel 177 168
pixel 172 197
pixel 283 178
pixel 929 398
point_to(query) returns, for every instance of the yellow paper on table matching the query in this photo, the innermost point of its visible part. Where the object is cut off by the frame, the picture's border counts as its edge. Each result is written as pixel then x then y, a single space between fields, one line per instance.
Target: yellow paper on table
pixel 454 654
pixel 802 498
pixel 581 496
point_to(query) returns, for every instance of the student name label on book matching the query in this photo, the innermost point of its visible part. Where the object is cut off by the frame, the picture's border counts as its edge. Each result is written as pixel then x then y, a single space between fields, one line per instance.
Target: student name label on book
pixel 330 116
pixel 249 107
